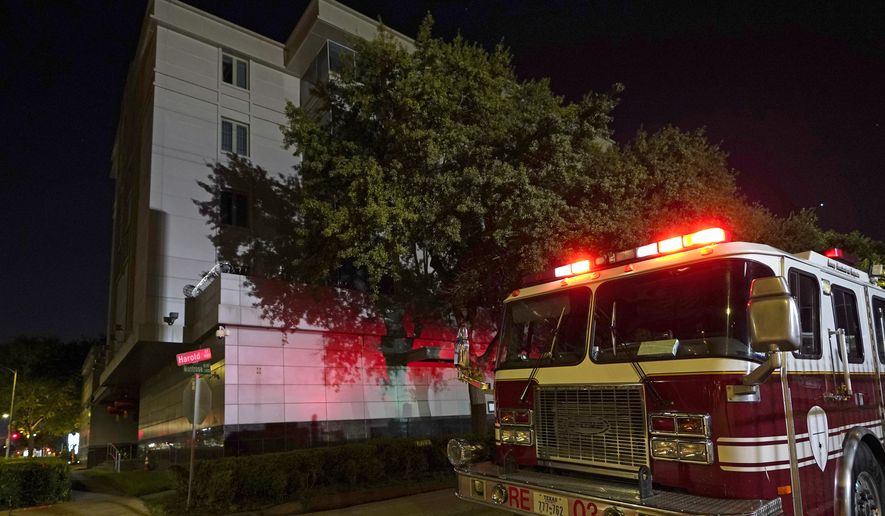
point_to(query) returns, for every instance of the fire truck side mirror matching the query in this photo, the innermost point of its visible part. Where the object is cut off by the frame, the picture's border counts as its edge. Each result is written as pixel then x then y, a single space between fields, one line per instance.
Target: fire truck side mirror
pixel 462 363
pixel 772 316
pixel 462 350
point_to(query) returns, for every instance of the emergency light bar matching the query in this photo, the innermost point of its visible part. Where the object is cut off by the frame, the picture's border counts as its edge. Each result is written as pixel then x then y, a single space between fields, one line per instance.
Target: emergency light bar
pixel 667 246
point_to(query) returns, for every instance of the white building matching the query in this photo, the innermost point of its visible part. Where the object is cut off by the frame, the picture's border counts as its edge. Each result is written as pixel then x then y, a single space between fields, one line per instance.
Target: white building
pixel 200 87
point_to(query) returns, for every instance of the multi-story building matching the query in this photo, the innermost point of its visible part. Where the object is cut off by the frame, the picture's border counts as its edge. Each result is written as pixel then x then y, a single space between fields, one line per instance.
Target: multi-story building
pixel 200 87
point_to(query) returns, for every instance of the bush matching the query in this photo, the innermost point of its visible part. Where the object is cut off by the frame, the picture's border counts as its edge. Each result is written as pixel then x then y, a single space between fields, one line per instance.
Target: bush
pixel 257 480
pixel 27 482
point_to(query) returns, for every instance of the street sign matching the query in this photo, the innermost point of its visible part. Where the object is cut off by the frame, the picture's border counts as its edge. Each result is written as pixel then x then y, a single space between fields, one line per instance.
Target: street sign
pixel 192 357
pixel 197 368
pixel 196 393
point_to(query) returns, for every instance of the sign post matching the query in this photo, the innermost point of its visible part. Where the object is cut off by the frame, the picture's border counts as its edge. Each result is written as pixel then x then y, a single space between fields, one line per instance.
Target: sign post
pixel 190 477
pixel 186 360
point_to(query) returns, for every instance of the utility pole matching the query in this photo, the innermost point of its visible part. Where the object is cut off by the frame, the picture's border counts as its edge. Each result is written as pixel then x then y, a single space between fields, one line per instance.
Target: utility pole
pixel 11 406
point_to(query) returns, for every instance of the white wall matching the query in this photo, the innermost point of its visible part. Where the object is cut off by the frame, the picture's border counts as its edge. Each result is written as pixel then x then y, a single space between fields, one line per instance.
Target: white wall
pixel 275 376
pixel 189 101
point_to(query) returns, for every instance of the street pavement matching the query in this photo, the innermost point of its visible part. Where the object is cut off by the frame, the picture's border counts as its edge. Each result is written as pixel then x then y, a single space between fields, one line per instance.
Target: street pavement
pixel 90 504
pixel 438 503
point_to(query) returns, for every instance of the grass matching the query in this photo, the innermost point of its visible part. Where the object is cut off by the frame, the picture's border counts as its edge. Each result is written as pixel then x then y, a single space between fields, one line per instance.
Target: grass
pixel 128 483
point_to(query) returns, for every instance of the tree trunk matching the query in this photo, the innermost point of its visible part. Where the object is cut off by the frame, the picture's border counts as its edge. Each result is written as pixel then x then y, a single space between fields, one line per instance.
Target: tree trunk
pixel 31 439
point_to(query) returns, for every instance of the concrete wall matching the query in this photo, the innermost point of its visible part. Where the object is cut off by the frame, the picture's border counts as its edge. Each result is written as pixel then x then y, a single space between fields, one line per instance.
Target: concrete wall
pixel 189 101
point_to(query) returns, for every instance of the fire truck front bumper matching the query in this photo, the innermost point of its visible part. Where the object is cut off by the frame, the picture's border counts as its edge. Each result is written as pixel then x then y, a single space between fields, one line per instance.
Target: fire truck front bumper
pixel 530 492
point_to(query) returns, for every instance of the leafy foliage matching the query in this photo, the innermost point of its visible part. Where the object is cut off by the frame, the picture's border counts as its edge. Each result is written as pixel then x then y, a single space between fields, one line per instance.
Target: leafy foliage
pixel 238 483
pixel 47 394
pixel 434 180
pixel 36 482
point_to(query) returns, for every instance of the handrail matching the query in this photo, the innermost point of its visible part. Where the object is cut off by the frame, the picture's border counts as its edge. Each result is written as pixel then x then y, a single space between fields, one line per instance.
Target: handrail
pixel 115 455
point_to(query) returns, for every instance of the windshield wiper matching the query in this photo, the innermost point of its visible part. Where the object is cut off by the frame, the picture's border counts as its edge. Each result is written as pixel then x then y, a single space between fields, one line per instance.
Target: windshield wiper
pixel 548 354
pixel 643 378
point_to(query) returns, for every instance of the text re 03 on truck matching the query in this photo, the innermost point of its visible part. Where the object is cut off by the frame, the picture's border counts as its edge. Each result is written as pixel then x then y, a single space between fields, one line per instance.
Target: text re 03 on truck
pixel 693 375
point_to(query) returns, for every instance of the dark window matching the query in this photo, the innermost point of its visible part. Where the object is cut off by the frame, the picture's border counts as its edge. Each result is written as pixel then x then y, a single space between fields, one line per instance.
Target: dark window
pixel 337 54
pixel 878 314
pixel 235 71
pixel 234 209
pixel 242 140
pixel 235 137
pixel 806 292
pixel 227 69
pixel 691 311
pixel 242 74
pixel 227 136
pixel 845 310
pixel 530 326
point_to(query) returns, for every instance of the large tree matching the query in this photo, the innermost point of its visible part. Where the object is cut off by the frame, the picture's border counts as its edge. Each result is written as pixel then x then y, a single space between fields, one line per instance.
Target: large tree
pixel 433 179
pixel 47 394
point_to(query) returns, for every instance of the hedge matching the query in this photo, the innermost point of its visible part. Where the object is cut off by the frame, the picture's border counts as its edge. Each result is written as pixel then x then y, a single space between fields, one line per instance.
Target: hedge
pixel 27 482
pixel 235 483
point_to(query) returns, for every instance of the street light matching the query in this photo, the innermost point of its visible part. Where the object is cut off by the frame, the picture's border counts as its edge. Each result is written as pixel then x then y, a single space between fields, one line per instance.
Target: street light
pixel 11 406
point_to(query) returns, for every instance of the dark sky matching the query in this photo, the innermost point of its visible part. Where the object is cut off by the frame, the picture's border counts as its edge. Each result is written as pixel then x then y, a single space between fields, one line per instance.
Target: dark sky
pixel 792 93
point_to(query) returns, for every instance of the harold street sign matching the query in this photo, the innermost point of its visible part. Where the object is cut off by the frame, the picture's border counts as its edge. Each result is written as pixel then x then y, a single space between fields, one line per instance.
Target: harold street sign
pixel 193 357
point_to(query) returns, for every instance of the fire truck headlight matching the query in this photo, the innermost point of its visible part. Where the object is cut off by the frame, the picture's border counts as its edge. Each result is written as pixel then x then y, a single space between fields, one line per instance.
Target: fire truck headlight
pixel 462 451
pixel 700 451
pixel 524 437
pixel 506 417
pixel 520 436
pixel 664 449
pixel 682 450
pixel 693 425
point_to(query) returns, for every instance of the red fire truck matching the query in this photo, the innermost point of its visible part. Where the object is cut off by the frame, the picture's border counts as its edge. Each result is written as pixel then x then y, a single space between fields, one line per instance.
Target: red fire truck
pixel 689 376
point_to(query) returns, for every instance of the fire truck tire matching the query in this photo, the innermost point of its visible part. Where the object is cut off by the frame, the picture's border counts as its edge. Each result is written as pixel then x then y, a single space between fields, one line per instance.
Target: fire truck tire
pixel 868 483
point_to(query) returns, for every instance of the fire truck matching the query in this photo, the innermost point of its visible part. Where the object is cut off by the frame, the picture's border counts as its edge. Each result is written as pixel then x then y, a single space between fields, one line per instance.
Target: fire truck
pixel 693 375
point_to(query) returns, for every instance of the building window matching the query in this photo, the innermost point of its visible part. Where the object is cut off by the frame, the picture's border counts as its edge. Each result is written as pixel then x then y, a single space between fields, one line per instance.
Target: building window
pixel 845 310
pixel 878 315
pixel 805 290
pixel 234 209
pixel 235 137
pixel 235 71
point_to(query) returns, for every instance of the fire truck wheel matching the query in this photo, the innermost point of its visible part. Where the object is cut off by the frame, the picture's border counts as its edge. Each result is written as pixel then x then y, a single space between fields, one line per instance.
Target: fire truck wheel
pixel 868 489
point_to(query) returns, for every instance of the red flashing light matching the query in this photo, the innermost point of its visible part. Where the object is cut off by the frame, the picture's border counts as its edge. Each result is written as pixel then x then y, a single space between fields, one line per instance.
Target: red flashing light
pixel 834 253
pixel 707 236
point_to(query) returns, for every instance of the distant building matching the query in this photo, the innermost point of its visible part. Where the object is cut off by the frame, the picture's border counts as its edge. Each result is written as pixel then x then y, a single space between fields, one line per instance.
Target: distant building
pixel 198 88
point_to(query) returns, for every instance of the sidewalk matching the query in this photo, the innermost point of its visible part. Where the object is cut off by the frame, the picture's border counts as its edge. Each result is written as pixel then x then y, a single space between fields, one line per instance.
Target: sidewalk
pixel 89 504
pixel 439 503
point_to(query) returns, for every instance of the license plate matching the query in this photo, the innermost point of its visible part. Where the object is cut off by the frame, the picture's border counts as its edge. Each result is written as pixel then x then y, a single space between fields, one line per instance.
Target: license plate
pixel 551 505
pixel 527 500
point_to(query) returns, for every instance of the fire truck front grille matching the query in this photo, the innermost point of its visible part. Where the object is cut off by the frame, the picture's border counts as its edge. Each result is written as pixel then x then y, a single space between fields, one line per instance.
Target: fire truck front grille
pixel 599 425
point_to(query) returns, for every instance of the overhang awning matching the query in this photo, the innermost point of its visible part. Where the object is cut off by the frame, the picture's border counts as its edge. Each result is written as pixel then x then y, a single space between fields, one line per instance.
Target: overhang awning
pixel 140 362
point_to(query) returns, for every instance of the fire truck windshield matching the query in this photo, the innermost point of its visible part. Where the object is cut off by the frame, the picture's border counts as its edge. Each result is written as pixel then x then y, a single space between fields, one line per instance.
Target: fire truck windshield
pixel 697 310
pixel 530 325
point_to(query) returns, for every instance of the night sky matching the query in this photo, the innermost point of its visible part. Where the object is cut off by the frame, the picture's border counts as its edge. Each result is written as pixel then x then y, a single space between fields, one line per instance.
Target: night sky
pixel 793 94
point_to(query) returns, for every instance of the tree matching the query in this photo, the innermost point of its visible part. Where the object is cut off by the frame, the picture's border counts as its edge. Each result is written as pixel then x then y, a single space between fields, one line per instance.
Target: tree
pixel 46 407
pixel 433 180
pixel 47 396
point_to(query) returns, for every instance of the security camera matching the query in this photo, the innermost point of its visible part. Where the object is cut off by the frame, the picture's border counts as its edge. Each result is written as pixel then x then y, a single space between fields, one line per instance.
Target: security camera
pixel 170 319
pixel 222 332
